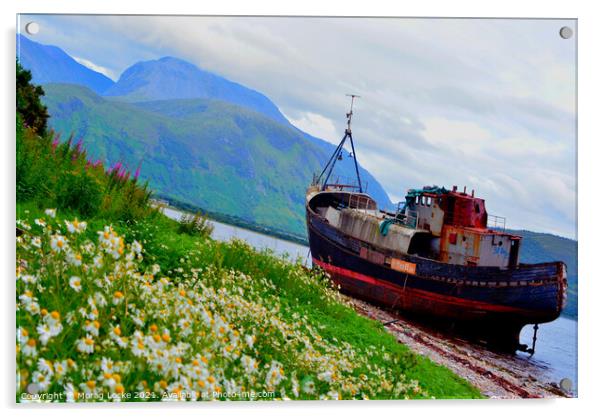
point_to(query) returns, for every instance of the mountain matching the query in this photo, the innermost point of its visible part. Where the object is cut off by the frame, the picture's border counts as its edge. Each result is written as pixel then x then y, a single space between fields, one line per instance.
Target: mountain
pixel 49 64
pixel 213 154
pixel 171 78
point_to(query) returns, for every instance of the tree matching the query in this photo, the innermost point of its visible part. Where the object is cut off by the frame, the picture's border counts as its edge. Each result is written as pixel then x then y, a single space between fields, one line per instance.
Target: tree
pixel 29 106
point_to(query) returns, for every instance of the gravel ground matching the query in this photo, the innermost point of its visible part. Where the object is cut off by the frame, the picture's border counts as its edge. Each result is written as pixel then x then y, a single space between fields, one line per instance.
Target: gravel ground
pixel 495 375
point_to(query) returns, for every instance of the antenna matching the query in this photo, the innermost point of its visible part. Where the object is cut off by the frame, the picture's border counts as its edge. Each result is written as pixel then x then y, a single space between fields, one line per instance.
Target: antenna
pixel 353 96
pixel 336 155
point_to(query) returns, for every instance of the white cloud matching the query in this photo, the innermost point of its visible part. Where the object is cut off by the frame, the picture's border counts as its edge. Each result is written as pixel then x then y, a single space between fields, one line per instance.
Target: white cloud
pixel 97 68
pixel 317 125
pixel 441 131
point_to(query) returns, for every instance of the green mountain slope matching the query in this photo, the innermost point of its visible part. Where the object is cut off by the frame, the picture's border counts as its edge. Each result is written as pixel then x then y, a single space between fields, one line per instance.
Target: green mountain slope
pixel 208 153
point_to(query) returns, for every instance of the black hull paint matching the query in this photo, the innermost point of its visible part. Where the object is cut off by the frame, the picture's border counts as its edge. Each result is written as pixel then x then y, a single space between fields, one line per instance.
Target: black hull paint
pixel 487 302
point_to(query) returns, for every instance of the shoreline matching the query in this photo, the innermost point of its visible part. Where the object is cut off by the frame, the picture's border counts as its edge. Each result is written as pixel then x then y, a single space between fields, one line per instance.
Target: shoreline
pixel 231 220
pixel 495 375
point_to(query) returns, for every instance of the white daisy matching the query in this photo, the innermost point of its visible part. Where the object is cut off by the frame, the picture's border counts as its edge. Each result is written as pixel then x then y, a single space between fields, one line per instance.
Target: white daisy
pixel 76 226
pixel 100 300
pixel 74 258
pixel 42 380
pixel 29 348
pixel 44 332
pixel 45 366
pixel 136 247
pixel 29 279
pixel 250 340
pixel 60 368
pixel 92 327
pixel 117 297
pixel 249 364
pixel 309 387
pixel 71 393
pixel 85 344
pixel 58 243
pixel 98 261
pixel 75 283
pixel 107 365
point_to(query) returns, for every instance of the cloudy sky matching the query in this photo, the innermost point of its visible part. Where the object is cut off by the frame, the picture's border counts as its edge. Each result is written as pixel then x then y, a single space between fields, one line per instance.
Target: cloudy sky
pixel 489 103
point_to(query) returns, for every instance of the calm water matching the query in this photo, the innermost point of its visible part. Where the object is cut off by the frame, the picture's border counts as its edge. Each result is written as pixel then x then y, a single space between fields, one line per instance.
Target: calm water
pixel 556 348
pixel 259 241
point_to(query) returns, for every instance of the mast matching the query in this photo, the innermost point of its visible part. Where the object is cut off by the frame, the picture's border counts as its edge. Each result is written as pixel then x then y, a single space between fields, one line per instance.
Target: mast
pixel 334 157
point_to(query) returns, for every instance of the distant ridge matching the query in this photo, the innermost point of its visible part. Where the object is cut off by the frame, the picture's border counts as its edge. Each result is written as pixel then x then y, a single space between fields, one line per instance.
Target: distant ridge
pixel 50 64
pixel 172 78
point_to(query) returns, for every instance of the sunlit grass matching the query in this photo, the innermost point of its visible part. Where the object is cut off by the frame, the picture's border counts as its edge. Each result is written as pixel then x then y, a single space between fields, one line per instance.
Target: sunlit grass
pixel 141 312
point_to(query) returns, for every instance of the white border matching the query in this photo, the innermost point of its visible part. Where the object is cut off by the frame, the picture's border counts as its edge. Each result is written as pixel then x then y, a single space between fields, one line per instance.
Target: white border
pixel 589 197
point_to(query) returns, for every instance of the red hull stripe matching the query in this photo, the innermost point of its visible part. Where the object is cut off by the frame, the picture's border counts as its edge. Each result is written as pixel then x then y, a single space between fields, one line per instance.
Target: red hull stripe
pixel 425 295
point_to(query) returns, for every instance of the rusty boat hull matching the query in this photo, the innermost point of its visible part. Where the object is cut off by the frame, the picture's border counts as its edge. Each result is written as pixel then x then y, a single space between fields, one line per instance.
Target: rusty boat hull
pixel 491 304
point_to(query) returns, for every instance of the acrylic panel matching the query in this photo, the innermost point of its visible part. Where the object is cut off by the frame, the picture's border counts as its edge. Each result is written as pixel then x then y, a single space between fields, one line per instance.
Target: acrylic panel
pixel 295 208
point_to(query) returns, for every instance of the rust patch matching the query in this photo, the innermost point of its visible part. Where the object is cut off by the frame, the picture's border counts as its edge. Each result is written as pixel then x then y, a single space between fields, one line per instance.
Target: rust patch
pixel 403 266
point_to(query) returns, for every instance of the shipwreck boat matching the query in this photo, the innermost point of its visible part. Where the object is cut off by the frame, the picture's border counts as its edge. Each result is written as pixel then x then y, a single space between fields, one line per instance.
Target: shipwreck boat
pixel 439 255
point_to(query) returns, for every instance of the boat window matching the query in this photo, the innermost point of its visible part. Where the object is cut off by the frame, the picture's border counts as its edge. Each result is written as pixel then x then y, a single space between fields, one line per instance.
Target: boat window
pixel 417 199
pixel 429 200
pixel 453 238
pixel 422 200
pixel 477 207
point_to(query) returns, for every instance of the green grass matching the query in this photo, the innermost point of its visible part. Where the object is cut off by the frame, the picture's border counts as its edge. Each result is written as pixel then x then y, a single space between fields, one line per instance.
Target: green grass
pixel 114 299
pixel 300 293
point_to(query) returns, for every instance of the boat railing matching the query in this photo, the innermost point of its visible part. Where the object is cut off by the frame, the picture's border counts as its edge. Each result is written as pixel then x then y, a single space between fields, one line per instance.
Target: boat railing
pixel 341 183
pixel 496 222
pixel 360 202
pixel 404 215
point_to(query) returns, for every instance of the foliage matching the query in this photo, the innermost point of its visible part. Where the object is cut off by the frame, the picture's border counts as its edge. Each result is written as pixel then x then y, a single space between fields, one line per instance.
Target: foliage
pixel 29 106
pixel 195 225
pixel 99 319
pixel 60 175
pixel 79 191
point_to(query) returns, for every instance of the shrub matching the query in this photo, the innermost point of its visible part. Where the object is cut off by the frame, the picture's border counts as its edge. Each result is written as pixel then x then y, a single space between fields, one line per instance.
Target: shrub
pixel 195 225
pixel 79 191
pixel 29 106
pixel 55 173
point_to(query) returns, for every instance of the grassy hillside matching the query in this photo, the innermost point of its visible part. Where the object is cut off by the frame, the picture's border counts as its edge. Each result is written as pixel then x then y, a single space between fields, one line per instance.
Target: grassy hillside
pixel 226 318
pixel 211 154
